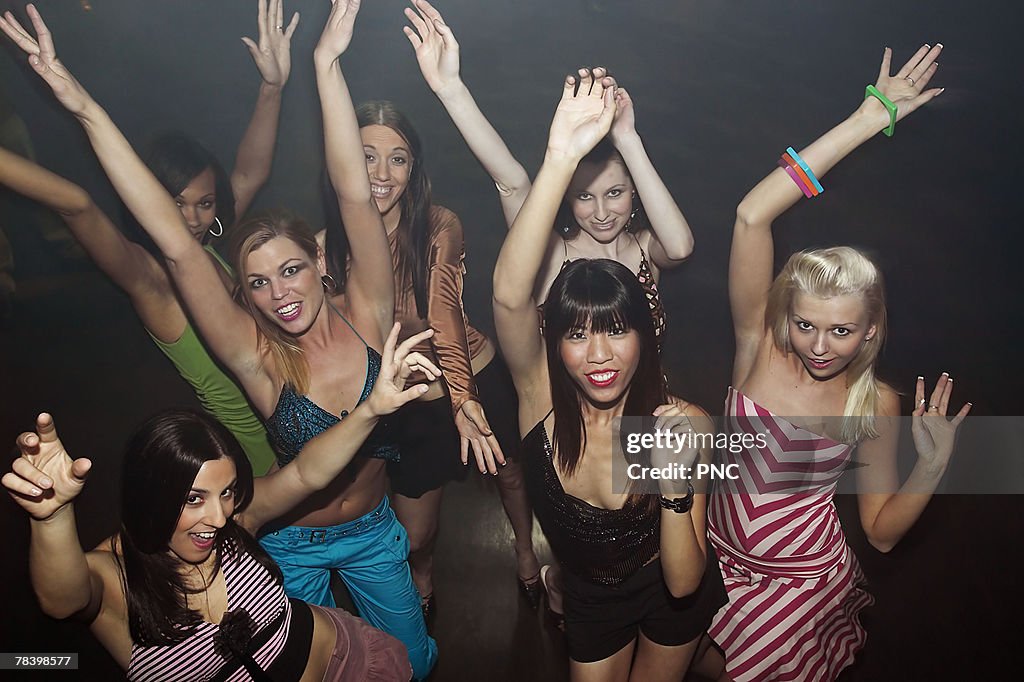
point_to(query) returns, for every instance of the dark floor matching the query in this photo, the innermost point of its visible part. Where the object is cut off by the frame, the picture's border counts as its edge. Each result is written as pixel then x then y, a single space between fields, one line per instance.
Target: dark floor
pixel 720 89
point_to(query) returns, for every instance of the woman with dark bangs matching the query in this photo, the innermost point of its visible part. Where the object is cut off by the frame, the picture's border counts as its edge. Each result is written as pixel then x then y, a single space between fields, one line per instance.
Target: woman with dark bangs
pixel 184 591
pixel 639 583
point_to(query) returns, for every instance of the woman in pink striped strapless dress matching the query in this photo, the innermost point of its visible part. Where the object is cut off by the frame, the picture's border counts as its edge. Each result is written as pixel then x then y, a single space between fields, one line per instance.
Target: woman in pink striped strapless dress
pixel 806 344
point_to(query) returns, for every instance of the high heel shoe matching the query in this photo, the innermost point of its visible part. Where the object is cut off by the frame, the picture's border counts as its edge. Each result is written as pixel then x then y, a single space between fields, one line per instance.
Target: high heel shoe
pixel 529 589
pixel 428 605
pixel 553 617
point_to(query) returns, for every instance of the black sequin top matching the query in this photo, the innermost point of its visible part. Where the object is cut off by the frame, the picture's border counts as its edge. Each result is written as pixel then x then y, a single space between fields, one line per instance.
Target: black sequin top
pixel 297 420
pixel 604 546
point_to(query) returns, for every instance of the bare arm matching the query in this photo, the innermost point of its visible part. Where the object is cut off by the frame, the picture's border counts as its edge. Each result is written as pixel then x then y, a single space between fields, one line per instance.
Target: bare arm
pixel 44 481
pixel 683 537
pixel 750 262
pixel 437 52
pixel 370 281
pixel 887 509
pixel 272 54
pixel 672 241
pixel 230 331
pixel 580 121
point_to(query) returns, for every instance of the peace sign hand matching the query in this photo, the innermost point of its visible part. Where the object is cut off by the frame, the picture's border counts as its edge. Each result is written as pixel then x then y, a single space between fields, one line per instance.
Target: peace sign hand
pixel 42 56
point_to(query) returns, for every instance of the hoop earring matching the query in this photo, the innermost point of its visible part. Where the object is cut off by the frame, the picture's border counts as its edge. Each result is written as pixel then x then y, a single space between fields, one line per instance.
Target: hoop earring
pixel 220 228
pixel 329 283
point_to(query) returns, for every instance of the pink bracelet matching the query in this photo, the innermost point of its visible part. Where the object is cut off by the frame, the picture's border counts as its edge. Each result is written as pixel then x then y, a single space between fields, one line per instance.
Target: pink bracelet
pixel 796 178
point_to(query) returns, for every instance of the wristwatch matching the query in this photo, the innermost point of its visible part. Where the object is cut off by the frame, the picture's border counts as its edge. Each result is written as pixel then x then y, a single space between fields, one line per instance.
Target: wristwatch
pixel 680 505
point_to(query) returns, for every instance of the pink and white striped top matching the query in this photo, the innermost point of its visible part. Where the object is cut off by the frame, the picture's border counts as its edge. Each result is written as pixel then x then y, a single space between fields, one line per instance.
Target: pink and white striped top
pixel 249 587
pixel 793 583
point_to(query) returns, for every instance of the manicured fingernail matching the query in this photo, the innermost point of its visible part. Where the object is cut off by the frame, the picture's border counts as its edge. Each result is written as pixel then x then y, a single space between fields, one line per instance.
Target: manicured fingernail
pixel 950 379
pixel 941 90
pixel 939 45
pixel 945 374
pixel 36 492
pixel 927 46
pixel 46 482
pixel 920 378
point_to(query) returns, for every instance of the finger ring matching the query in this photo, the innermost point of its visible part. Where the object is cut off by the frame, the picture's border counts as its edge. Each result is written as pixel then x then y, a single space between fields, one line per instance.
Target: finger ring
pixel 907 78
pixel 933 407
pixel 281 28
pixel 921 402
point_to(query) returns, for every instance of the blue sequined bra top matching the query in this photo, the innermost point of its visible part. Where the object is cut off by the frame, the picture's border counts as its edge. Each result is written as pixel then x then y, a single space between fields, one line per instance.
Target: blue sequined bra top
pixel 297 419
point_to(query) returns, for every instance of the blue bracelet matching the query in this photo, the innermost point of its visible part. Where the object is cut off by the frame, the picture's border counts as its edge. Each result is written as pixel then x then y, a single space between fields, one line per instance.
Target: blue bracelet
pixel 806 169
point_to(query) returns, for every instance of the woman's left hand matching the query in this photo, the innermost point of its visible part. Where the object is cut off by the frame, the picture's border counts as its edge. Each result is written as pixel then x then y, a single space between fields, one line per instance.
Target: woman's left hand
pixel 272 52
pixel 476 432
pixel 671 418
pixel 337 33
pixel 906 89
pixel 397 365
pixel 42 56
pixel 934 435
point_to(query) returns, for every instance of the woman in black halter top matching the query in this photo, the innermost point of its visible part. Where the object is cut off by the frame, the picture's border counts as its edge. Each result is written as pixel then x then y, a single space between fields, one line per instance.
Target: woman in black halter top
pixel 640 585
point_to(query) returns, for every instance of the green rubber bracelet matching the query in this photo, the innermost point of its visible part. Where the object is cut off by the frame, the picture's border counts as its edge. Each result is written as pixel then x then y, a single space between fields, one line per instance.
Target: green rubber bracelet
pixel 872 91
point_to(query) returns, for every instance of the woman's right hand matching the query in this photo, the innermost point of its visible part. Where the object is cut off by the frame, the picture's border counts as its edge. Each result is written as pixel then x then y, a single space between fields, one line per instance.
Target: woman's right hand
pixel 398 363
pixel 42 56
pixel 905 89
pixel 44 478
pixel 437 51
pixel 584 114
pixel 337 33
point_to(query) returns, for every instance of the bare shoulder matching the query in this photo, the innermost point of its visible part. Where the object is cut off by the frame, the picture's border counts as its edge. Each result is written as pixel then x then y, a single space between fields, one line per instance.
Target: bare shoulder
pixel 888 401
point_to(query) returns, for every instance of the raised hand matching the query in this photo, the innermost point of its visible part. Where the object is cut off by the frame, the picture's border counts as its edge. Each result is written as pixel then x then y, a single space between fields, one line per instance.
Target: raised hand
pixel 437 51
pixel 476 432
pixel 272 50
pixel 672 418
pixel 397 365
pixel 934 435
pixel 44 478
pixel 42 56
pixel 906 89
pixel 624 124
pixel 584 114
pixel 337 33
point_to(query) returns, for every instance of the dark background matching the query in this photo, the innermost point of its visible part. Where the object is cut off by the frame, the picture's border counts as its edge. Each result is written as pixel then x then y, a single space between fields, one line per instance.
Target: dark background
pixel 720 89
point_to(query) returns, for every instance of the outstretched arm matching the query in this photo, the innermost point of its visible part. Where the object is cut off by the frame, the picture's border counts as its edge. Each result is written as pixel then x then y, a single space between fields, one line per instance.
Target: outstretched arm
pixel 272 54
pixel 229 330
pixel 44 481
pixel 130 266
pixel 327 455
pixel 582 118
pixel 437 52
pixel 750 263
pixel 672 241
pixel 887 509
pixel 370 284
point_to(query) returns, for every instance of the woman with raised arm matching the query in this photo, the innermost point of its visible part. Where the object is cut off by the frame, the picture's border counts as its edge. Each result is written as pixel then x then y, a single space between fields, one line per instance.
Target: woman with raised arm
pixel 183 591
pixel 640 586
pixel 616 205
pixel 304 355
pixel 209 202
pixel 806 344
pixel 472 408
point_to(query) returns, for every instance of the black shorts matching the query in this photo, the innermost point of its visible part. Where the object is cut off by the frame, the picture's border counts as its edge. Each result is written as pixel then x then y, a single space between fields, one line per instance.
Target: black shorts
pixel 601 619
pixel 429 443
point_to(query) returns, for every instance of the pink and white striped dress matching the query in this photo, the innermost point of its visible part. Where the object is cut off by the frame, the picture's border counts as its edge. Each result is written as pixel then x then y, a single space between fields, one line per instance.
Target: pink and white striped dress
pixel 795 587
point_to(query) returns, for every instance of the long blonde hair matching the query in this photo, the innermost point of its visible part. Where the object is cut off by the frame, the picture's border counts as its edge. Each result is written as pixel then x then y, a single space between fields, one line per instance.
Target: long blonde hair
pixel 827 273
pixel 247 237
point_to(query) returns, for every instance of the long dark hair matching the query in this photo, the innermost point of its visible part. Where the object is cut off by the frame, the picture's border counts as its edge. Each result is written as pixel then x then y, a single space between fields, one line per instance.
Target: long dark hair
pixel 598 295
pixel 414 225
pixel 565 222
pixel 160 465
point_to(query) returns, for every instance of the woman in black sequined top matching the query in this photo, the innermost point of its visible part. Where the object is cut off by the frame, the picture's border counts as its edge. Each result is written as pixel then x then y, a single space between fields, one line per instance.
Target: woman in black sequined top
pixel 637 595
